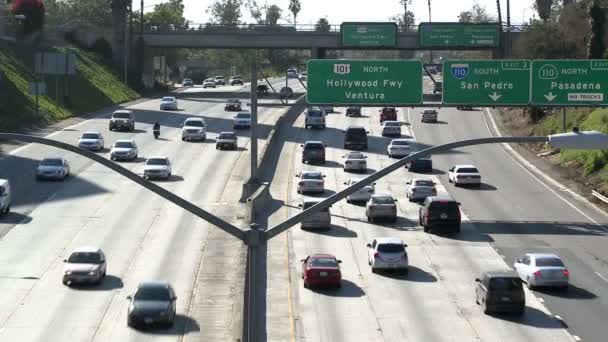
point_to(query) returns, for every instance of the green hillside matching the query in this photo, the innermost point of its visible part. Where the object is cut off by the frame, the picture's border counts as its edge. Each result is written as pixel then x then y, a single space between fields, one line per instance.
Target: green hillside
pixel 94 86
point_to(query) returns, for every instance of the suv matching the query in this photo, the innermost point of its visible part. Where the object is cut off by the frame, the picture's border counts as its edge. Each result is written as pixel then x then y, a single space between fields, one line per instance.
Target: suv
pixel 438 88
pixel 428 115
pixel 219 80
pixel 500 291
pixel 440 213
pixel 422 164
pixel 236 79
pixel 187 82
pixel 353 111
pixel 321 219
pixel 355 137
pixel 314 117
pixel 388 113
pixel 314 151
pixel 387 253
pixel 194 128
pixel 122 119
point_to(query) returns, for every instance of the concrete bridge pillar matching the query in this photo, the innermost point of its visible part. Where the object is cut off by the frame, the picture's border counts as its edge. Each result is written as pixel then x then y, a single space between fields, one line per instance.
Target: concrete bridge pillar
pixel 317 53
pixel 147 76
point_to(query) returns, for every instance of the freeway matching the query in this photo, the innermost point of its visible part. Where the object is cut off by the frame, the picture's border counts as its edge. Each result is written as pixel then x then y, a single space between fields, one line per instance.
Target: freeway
pixel 143 236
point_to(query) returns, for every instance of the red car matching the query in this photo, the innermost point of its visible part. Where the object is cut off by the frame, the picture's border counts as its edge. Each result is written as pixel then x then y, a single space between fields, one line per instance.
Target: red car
pixel 388 114
pixel 321 270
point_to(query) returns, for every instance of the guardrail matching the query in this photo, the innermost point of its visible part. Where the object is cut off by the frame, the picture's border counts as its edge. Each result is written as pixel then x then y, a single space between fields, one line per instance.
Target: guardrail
pixel 599 196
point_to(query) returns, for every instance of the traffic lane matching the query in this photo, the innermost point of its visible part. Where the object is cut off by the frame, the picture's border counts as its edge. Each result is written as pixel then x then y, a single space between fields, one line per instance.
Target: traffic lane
pixel 510 215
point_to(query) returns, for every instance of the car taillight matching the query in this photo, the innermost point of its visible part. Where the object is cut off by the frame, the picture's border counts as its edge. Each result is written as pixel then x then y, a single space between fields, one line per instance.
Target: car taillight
pixel 427 215
pixel 566 273
pixel 377 256
pixel 537 274
pixel 301 183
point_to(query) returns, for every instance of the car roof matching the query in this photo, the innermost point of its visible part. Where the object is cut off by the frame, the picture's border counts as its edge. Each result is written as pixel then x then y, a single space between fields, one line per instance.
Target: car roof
pixel 421 179
pixel 86 249
pixel 320 255
pixel 383 194
pixel 544 255
pixel 51 158
pixel 153 283
pixel 123 111
pixel 227 132
pixel 493 274
pixel 3 182
pixel 311 200
pixel 194 119
pixel 313 142
pixel 312 172
pixel 405 139
pixel 441 198
pixel 125 140
pixel 158 157
pixel 464 165
pixel 389 240
pixel 355 127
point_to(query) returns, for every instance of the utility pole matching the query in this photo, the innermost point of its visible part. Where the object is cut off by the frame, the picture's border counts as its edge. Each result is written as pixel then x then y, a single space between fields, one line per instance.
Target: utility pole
pixel 431 51
pixel 141 37
pixel 254 122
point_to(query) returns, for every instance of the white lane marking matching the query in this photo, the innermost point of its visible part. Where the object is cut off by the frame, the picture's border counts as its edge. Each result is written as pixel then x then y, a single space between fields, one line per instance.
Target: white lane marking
pixel 576 338
pixel 521 162
pixel 558 317
pixel 540 299
pixel 601 276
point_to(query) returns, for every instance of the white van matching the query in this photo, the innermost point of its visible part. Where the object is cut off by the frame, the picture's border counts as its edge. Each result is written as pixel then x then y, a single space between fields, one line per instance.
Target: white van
pixel 5 197
pixel 314 117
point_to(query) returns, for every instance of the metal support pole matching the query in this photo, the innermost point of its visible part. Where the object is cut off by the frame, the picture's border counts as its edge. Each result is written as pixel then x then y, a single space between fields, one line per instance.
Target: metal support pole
pixel 254 123
pixel 126 53
pixel 508 28
pixel 430 51
pixel 255 238
pixel 564 119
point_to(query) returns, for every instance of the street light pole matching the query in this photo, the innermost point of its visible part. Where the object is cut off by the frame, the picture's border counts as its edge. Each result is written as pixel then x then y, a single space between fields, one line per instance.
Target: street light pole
pixel 430 51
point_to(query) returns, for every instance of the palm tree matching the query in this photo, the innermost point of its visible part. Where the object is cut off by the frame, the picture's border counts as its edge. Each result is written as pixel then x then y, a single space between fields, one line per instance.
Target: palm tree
pixel 294 7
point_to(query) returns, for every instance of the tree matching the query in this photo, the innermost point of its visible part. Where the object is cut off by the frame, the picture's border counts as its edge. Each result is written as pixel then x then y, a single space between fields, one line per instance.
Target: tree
pixel 119 25
pixel 322 25
pixel 543 7
pixel 264 15
pixel 476 14
pixel 167 15
pixel 273 14
pixel 598 21
pixel 294 8
pixel 94 13
pixel 33 10
pixel 226 12
pixel 405 20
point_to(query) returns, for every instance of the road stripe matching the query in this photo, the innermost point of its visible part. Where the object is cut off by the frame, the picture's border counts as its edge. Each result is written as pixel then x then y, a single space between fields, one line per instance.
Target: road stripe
pixel 576 338
pixel 603 278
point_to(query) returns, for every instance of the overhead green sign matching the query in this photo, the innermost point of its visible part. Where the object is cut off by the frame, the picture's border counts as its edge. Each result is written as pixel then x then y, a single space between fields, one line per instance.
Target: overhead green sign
pixel 486 82
pixel 379 82
pixel 459 35
pixel 570 82
pixel 369 34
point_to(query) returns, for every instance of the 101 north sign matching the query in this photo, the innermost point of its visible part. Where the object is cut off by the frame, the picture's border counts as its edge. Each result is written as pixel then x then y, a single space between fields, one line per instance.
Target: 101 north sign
pixel 373 82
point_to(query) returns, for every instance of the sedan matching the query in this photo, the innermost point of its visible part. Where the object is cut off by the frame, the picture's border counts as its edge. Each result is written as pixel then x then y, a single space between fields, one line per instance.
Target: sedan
pixel 157 167
pixel 311 181
pixel 226 140
pixel 53 168
pixel 168 103
pixel 242 119
pixel 91 141
pixel 419 189
pixel 209 83
pixel 355 161
pixel 464 175
pixel 361 195
pixel 321 270
pixel 391 129
pixel 400 147
pixel 381 206
pixel 153 302
pixel 84 265
pixel 124 150
pixel 542 269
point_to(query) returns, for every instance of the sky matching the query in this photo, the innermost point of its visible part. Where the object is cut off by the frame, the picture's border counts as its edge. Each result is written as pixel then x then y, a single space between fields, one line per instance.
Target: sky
pixel 338 11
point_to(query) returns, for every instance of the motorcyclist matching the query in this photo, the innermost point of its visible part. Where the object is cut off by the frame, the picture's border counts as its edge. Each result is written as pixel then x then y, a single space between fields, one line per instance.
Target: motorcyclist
pixel 156 127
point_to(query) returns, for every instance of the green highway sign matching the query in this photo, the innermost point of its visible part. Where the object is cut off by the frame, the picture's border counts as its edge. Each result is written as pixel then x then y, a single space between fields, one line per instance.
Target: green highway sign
pixel 486 82
pixel 570 82
pixel 378 82
pixel 369 34
pixel 459 35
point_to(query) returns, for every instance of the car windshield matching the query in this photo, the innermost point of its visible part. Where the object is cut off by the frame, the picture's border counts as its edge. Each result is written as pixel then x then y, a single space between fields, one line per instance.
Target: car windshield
pixel 391 248
pixel 400 142
pixel 123 144
pixel 234 101
pixel 430 111
pixel 85 258
pixel 549 262
pixel 227 136
pixel 51 162
pixel 355 155
pixel 388 109
pixel 194 123
pixel 467 170
pixel 244 115
pixel 315 113
pixel 152 293
pixel 311 175
pixel 156 161
pixel 357 132
pixel 168 99
pixel 323 262
pixel 314 146
pixel 505 283
pixel 392 123
pixel 449 206
pixel 121 115
pixel 424 183
pixel 90 136
pixel 383 200
pixel 237 76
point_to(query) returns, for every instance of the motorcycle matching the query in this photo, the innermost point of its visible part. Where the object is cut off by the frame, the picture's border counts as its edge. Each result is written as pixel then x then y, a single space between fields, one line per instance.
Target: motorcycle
pixel 156 133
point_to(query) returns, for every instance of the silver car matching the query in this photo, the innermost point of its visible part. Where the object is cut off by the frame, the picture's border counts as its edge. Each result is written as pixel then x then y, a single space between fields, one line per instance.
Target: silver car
pixel 157 167
pixel 428 115
pixel 542 269
pixel 53 168
pixel 194 129
pixel 168 103
pixel 242 119
pixel 209 83
pixel 84 265
pixel 419 189
pixel 355 161
pixel 387 253
pixel 361 195
pixel 226 140
pixel 381 206
pixel 400 147
pixel 391 129
pixel 91 141
pixel 320 220
pixel 124 150
pixel 311 181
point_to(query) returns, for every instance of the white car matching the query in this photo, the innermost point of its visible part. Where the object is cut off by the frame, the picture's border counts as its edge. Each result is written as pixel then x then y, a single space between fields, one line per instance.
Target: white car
pixel 361 195
pixel 209 83
pixel 387 253
pixel 242 119
pixel 391 128
pixel 91 141
pixel 84 265
pixel 419 189
pixel 303 76
pixel 157 167
pixel 168 103
pixel 124 150
pixel 292 73
pixel 219 80
pixel 194 129
pixel 542 269
pixel 226 140
pixel 464 175
pixel 311 181
pixel 428 115
pixel 400 147
pixel 355 161
pixel 53 168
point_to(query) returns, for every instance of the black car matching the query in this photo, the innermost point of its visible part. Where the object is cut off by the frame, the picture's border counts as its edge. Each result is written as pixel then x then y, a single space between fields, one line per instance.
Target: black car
pixel 355 137
pixel 263 90
pixel 314 151
pixel 353 111
pixel 440 214
pixel 233 105
pixel 438 88
pixel 423 164
pixel 500 291
pixel 154 302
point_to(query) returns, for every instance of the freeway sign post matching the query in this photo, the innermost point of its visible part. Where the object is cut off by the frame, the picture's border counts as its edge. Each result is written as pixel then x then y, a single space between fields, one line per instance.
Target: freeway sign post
pixel 369 34
pixel 459 35
pixel 486 82
pixel 364 82
pixel 570 82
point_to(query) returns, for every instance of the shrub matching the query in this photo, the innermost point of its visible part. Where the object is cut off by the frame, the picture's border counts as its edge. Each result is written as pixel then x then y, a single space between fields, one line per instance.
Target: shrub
pixel 33 10
pixel 102 48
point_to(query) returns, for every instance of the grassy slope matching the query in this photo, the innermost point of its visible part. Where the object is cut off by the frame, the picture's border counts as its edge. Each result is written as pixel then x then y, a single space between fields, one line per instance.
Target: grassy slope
pixel 94 86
